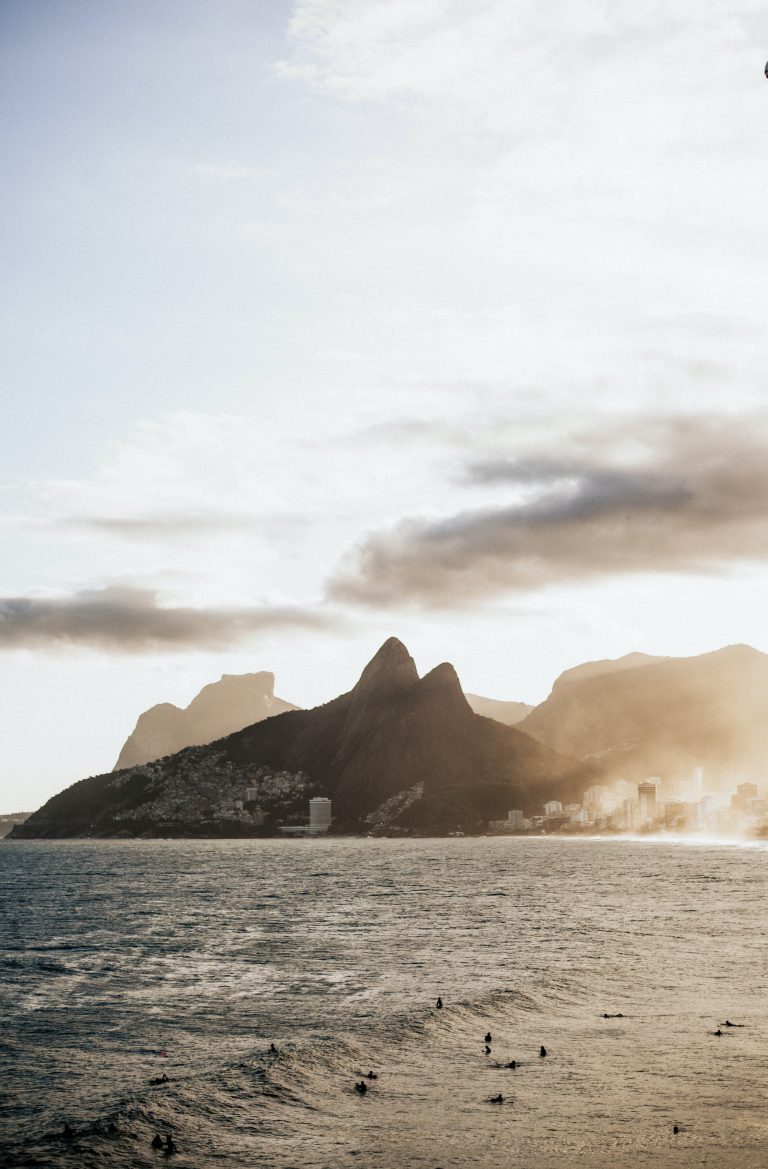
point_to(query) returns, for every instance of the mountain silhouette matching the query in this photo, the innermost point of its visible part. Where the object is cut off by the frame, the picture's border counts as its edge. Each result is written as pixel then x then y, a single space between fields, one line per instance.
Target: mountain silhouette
pixel 396 750
pixel 509 713
pixel 234 702
pixel 663 716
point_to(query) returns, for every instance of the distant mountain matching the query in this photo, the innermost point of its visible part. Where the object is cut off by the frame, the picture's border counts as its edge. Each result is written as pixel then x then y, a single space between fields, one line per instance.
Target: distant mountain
pixel 663 716
pixel 605 666
pixel 234 702
pixel 509 713
pixel 397 750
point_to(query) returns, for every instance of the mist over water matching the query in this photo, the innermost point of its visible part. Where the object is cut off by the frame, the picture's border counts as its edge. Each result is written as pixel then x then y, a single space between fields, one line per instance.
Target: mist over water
pixel 123 961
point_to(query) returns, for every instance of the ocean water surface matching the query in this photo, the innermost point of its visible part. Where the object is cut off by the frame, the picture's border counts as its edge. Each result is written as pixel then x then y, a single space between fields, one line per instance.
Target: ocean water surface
pixel 123 961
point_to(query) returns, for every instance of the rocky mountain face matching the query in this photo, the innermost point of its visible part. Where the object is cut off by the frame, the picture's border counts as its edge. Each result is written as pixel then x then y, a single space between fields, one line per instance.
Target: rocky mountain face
pixel 396 750
pixel 234 702
pixel 663 716
pixel 509 713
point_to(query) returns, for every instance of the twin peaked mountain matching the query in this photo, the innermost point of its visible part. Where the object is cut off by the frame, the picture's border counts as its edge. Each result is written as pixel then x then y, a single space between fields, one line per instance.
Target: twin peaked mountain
pixel 396 750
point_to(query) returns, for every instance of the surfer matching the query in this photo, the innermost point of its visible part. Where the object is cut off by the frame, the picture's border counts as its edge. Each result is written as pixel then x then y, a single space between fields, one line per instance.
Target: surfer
pixel 512 1064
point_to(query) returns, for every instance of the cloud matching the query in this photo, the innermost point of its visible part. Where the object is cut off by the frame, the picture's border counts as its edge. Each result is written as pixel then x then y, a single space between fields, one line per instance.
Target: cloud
pixel 132 620
pixel 162 526
pixel 684 495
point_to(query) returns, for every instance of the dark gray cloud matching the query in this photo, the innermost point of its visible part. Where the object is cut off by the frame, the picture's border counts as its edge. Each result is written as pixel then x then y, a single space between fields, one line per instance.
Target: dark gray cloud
pixel 640 496
pixel 131 620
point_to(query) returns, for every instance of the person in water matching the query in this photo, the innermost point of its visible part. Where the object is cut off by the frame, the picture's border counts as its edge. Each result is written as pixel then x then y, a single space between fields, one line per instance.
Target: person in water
pixel 272 1049
pixel 371 1076
pixel 67 1132
pixel 169 1146
pixel 362 1087
pixel 439 1004
pixel 512 1064
pixel 497 1099
pixel 542 1051
pixel 488 1038
pixel 157 1141
pixel 487 1049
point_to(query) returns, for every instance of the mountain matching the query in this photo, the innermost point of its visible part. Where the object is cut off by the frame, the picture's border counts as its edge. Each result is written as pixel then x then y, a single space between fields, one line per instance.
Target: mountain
pixel 234 702
pixel 509 713
pixel 605 666
pixel 663 716
pixel 396 750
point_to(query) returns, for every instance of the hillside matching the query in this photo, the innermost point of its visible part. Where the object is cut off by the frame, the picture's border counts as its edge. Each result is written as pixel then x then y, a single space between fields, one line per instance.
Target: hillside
pixel 234 702
pixel 396 750
pixel 509 713
pixel 665 716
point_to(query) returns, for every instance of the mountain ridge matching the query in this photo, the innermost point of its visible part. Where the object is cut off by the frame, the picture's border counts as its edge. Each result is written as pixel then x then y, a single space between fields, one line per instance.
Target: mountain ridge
pixel 391 735
pixel 218 709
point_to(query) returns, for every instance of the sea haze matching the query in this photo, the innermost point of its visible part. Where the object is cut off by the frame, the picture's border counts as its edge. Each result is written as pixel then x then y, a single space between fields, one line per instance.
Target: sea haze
pixel 123 961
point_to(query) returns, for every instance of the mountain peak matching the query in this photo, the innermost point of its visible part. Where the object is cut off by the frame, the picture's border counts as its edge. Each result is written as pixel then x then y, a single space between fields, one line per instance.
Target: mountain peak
pixel 390 669
pixel 443 682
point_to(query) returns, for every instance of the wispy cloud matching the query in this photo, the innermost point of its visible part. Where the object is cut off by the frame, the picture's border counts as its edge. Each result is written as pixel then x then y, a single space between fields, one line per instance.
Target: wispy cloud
pixel 162 526
pixel 642 496
pixel 133 620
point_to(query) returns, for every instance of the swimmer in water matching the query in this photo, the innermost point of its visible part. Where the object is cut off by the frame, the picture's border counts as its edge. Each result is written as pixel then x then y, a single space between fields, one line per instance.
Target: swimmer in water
pixel 170 1147
pixel 496 1099
pixel 372 1076
pixel 542 1051
pixel 512 1064
pixel 157 1141
pixel 487 1049
pixel 67 1133
pixel 718 1032
pixel 489 1038
pixel 272 1049
pixel 439 1004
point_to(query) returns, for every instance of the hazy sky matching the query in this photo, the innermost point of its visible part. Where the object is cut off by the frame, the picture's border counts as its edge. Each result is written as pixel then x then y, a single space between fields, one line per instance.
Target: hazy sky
pixel 336 319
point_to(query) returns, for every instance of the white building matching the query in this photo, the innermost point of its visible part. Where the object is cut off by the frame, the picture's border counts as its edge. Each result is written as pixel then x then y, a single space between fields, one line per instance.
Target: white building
pixel 553 808
pixel 516 819
pixel 319 814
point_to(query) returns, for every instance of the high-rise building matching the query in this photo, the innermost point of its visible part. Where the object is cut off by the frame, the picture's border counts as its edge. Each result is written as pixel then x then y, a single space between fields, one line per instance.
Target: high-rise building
pixel 698 783
pixel 646 798
pixel 516 819
pixel 746 794
pixel 553 808
pixel 319 814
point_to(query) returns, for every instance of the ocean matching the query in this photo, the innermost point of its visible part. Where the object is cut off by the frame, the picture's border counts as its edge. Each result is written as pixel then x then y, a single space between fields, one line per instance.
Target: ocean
pixel 126 961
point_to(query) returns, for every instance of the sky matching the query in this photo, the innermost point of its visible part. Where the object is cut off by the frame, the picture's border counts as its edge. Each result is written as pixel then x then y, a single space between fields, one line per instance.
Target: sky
pixel 333 320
